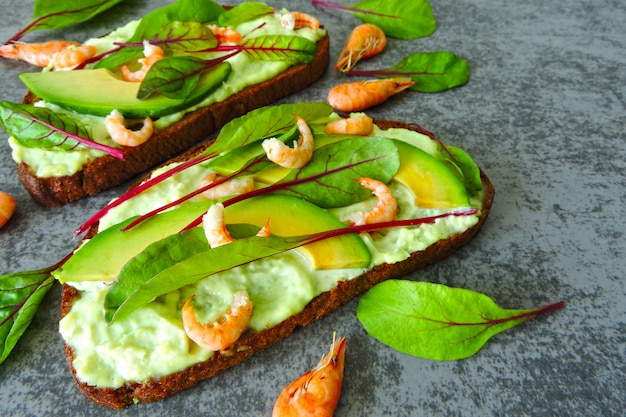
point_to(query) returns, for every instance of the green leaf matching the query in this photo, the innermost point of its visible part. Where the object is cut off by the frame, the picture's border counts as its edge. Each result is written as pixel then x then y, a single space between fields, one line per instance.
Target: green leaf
pixel 20 296
pixel 431 71
pixel 293 49
pixel 397 18
pixel 202 11
pixel 464 167
pixel 352 158
pixel 153 259
pixel 48 15
pixel 266 122
pixel 434 321
pixel 174 77
pixel 186 36
pixel 40 127
pixel 152 24
pixel 134 294
pixel 244 12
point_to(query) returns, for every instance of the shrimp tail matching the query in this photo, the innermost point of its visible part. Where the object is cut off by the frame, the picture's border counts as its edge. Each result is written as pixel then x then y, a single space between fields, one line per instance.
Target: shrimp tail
pixel 317 392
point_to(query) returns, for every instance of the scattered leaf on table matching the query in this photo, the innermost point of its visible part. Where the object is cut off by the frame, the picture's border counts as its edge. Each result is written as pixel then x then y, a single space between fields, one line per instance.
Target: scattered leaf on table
pixel 434 321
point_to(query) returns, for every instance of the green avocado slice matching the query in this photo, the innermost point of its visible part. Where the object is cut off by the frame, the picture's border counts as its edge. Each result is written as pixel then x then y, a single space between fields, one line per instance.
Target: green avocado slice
pixel 99 91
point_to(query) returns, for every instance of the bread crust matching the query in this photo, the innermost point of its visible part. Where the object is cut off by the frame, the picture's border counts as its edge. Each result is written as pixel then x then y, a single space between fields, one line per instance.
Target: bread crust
pixel 251 342
pixel 107 171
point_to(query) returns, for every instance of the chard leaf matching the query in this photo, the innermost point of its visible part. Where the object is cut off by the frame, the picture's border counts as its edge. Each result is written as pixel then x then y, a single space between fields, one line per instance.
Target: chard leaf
pixel 465 168
pixel 158 256
pixel 293 49
pixel 118 56
pixel 20 296
pixel 40 127
pixel 434 321
pixel 48 15
pixel 244 12
pixel 431 71
pixel 174 77
pixel 202 11
pixel 186 36
pixel 266 122
pixel 134 294
pixel 328 180
pixel 397 18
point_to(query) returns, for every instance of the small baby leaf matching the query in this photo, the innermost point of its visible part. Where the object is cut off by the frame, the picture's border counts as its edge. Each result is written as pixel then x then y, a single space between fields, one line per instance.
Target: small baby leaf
pixel 174 77
pixel 48 15
pixel 431 71
pixel 244 12
pixel 186 36
pixel 397 18
pixel 40 127
pixel 202 11
pixel 20 296
pixel 328 180
pixel 294 49
pixel 158 256
pixel 465 168
pixel 266 122
pixel 434 321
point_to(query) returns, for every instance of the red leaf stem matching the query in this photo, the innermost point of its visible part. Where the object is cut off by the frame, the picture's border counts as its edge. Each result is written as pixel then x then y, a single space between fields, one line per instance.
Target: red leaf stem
pixel 138 189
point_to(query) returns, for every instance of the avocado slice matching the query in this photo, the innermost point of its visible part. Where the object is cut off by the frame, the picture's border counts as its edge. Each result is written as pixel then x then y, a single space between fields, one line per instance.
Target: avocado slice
pixel 99 91
pixel 433 184
pixel 291 216
pixel 104 255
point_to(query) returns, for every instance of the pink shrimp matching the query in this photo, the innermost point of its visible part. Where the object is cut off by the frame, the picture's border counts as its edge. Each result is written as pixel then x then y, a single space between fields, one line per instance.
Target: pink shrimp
pixel 118 131
pixel 74 55
pixel 360 95
pixel 225 35
pixel 317 392
pixel 298 20
pixel 7 207
pixel 222 333
pixel 152 54
pixel 361 125
pixel 295 157
pixel 215 227
pixel 64 54
pixel 365 41
pixel 232 187
pixel 385 209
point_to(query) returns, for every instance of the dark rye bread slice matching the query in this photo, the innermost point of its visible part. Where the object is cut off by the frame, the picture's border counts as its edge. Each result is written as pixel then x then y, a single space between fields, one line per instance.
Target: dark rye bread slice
pixel 253 342
pixel 107 171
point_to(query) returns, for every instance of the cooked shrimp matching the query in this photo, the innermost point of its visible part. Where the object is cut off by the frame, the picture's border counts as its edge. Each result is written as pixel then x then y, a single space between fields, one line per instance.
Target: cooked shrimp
pixel 385 209
pixel 235 186
pixel 214 226
pixel 222 333
pixel 361 125
pixel 7 207
pixel 64 54
pixel 360 95
pixel 152 54
pixel 316 393
pixel 225 35
pixel 74 55
pixel 295 157
pixel 116 128
pixel 298 20
pixel 365 41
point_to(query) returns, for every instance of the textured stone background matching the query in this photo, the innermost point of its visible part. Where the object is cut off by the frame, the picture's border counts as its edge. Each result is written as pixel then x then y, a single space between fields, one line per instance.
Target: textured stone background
pixel 543 115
